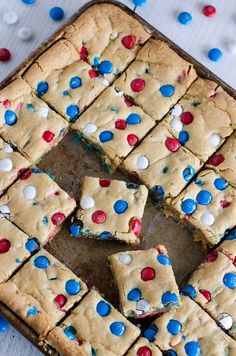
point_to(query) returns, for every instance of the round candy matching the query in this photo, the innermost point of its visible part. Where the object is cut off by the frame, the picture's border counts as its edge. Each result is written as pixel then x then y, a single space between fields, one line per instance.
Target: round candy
pixel 225 320
pixel 176 124
pixel 132 140
pixel 215 54
pixel 207 219
pixel 120 206
pixel 87 202
pixel 105 235
pixel 187 118
pixel 5 245
pixel 43 111
pixel 143 306
pixel 70 332
pixel 29 2
pixel 120 124
pixel 24 34
pixel 220 184
pixel 99 217
pixel 172 144
pixel 229 280
pixel 72 287
pixel 183 137
pixel 148 274
pixel 6 165
pixel 125 259
pixel 137 85
pixel 128 41
pixel 32 245
pixel 5 54
pixel 144 351
pixel 174 327
pixel 89 129
pixel 75 82
pixel 171 352
pixel 72 111
pixel 105 67
pixel 185 18
pixel 106 136
pixel 142 162
pixel 150 332
pixel 10 117
pixel 204 197
pixel 29 192
pixel 117 328
pixel 56 13
pixel 167 90
pixel 104 183
pixel 188 173
pixel 76 227
pixel 134 295
pixel 103 308
pixel 4 325
pixel 42 88
pixel 216 160
pixel 136 227
pixel 192 348
pixel 57 218
pixel 139 2
pixel 60 300
pixel 214 140
pixel 133 119
pixel 41 262
pixel 209 10
pixel 188 206
pixel 189 290
pixel 169 298
pixel 48 136
pixel 177 110
pixel 10 17
pixel 163 259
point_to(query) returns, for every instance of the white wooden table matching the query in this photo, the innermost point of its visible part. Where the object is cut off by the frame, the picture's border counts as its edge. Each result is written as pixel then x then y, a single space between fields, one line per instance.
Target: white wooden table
pixel 197 38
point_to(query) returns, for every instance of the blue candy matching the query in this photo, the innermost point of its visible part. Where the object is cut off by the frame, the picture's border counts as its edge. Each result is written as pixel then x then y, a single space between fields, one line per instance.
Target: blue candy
pixel 134 295
pixel 70 332
pixel 215 54
pixel 56 13
pixel 106 136
pixel 159 191
pixel 139 2
pixel 174 327
pixel 120 206
pixel 230 280
pixel 183 137
pixel 72 287
pixel 204 197
pixel 32 245
pixel 76 228
pixel 117 328
pixel 150 332
pixel 75 82
pixel 65 92
pixel 4 325
pixel 189 290
pixel 32 311
pixel 105 235
pixel 169 298
pixel 42 88
pixel 41 262
pixel 171 352
pixel 188 206
pixel 167 90
pixel 185 18
pixel 188 173
pixel 72 111
pixel 163 259
pixel 231 235
pixel 28 2
pixel 220 184
pixel 133 119
pixel 192 348
pixel 10 117
pixel 103 308
pixel 105 67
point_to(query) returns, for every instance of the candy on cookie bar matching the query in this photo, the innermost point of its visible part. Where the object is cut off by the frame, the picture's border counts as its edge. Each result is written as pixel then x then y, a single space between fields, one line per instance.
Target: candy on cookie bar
pixel 28 122
pixel 113 126
pixel 203 118
pixel 95 321
pixel 162 164
pixel 157 78
pixel 110 209
pixel 145 281
pixel 37 205
pixel 42 291
pixel 143 347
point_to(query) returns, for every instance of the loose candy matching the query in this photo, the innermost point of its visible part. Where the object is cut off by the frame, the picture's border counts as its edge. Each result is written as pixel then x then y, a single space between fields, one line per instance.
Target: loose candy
pixel 56 13
pixel 24 33
pixel 184 18
pixel 5 54
pixel 29 2
pixel 4 325
pixel 10 17
pixel 215 54
pixel 209 10
pixel 139 2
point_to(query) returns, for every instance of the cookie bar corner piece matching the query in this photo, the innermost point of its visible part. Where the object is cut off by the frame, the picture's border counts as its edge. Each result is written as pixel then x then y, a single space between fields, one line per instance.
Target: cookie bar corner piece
pixel 143 347
pixel 151 287
pixel 42 291
pixel 110 209
pixel 95 321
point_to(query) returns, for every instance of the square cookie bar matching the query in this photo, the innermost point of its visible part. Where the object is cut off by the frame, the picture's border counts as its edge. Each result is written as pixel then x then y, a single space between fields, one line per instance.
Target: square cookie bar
pixel 143 347
pixel 12 163
pixel 228 246
pixel 208 207
pixel 162 164
pixel 15 247
pixel 145 281
pixel 97 322
pixel 65 82
pixel 113 127
pixel 203 118
pixel 28 122
pixel 110 209
pixel 224 162
pixel 37 205
pixel 42 291
pixel 106 32
pixel 189 330
pixel 157 78
pixel 212 285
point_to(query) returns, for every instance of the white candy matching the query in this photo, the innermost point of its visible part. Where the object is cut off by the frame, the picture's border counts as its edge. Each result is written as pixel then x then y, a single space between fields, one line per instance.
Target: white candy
pixel 125 259
pixel 7 148
pixel 43 111
pixel 104 81
pixel 142 162
pixel 29 192
pixel 143 305
pixel 231 46
pixel 4 211
pixel 177 110
pixel 207 219
pixel 119 93
pixel 87 202
pixel 214 140
pixel 24 33
pixel 89 129
pixel 176 124
pixel 114 35
pixel 6 165
pixel 10 17
pixel 225 320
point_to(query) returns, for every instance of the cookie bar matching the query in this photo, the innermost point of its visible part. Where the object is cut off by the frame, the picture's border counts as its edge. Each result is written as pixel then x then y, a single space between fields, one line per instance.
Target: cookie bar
pixel 106 32
pixel 162 164
pixel 15 248
pixel 42 291
pixel 143 347
pixel 212 285
pixel 157 78
pixel 189 331
pixel 97 322
pixel 145 281
pixel 203 118
pixel 110 209
pixel 37 205
pixel 223 162
pixel 65 82
pixel 228 246
pixel 12 163
pixel 28 122
pixel 208 207
pixel 113 127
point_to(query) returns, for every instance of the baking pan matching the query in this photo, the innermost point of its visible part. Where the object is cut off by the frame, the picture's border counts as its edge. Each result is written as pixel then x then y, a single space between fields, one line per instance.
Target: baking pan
pixel 68 163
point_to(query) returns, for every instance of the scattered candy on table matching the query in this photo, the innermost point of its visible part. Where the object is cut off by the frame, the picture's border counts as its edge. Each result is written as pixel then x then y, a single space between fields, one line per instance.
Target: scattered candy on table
pixel 10 17
pixel 56 13
pixel 4 325
pixel 215 54
pixel 24 33
pixel 209 10
pixel 5 54
pixel 185 18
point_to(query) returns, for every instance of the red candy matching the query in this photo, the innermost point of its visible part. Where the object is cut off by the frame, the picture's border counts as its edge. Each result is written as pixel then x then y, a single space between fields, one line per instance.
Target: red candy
pixel 132 140
pixel 128 102
pixel 225 204
pixel 129 41
pixel 92 73
pixel 48 136
pixel 144 351
pixel 187 117
pixel 83 53
pixel 216 160
pixel 99 217
pixel 5 54
pixel 172 144
pixel 212 257
pixel 6 103
pixel 5 245
pixel 147 274
pixel 57 218
pixel 120 124
pixel 206 294
pixel 24 174
pixel 209 10
pixel 104 183
pixel 137 84
pixel 136 227
pixel 60 300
